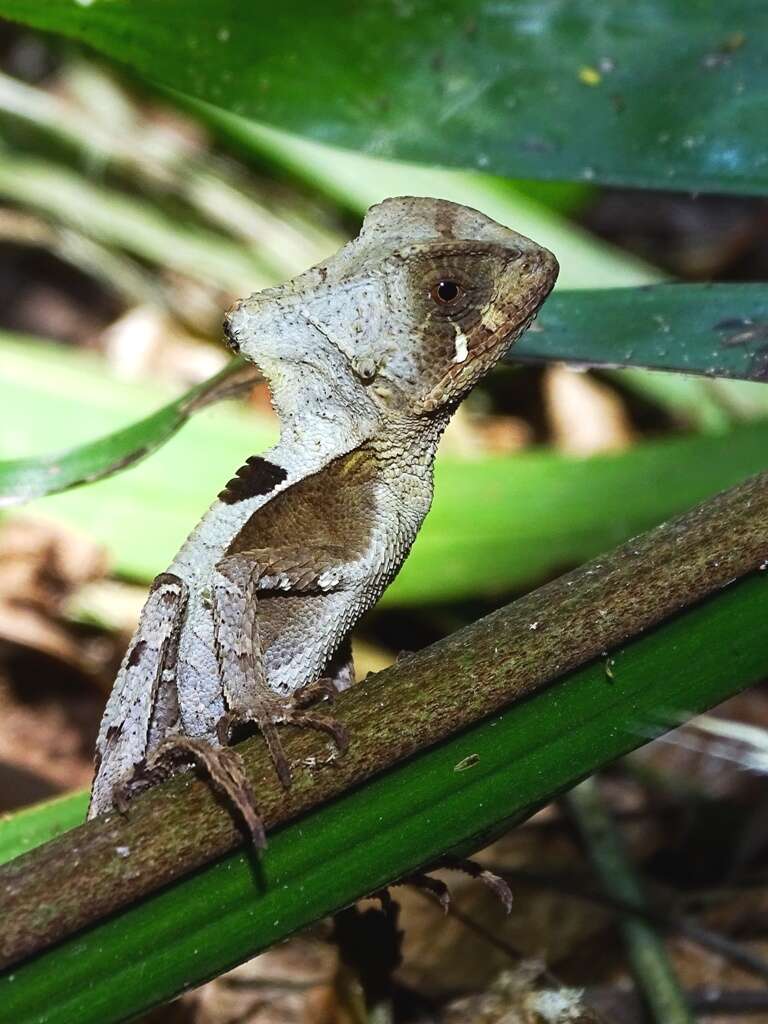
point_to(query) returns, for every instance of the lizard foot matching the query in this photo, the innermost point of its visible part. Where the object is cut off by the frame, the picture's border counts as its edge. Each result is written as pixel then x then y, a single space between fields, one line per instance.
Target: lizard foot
pixel 268 716
pixel 223 767
pixel 435 887
pixel 312 693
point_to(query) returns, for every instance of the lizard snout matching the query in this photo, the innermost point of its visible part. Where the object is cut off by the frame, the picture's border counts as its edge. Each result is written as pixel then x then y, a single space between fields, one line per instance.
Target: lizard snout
pixel 230 328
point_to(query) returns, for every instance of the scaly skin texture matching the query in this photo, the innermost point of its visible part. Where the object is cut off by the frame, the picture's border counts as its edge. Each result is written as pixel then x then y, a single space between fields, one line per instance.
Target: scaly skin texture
pixel 367 357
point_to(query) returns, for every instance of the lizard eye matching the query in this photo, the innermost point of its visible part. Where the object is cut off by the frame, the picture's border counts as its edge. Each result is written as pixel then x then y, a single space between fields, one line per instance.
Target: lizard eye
pixel 446 292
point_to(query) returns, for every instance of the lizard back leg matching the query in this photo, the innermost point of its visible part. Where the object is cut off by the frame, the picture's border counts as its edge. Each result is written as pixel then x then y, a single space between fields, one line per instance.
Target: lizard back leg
pixel 139 742
pixel 143 706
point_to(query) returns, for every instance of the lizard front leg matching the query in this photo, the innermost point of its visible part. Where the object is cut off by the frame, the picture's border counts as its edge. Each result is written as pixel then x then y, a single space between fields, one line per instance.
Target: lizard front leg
pixel 241 584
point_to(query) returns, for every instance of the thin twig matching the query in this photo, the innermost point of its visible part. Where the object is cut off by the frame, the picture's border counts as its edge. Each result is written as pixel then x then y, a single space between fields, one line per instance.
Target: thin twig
pixel 646 950
pixel 716 942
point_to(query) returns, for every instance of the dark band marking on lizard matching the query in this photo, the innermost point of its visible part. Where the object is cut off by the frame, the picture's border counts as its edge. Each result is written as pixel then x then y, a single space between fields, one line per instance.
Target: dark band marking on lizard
pixel 257 476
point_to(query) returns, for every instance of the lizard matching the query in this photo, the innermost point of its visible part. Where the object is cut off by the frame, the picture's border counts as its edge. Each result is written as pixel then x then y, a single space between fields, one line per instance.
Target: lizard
pixel 366 356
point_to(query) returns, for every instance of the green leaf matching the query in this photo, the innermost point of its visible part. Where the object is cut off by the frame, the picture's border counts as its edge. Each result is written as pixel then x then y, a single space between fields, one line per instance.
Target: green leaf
pixel 114 218
pixel 714 330
pixel 277 239
pixel 661 95
pixel 496 524
pixel 24 830
pixel 648 952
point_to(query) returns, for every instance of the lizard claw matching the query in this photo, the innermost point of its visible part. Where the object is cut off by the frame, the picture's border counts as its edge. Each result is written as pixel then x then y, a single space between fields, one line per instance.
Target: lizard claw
pixel 435 887
pixel 323 723
pixel 498 886
pixel 288 712
pixel 266 722
pixel 224 767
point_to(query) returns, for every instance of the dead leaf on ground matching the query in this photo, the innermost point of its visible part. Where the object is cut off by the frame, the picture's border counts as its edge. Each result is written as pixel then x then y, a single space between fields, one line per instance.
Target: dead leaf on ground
pixel 519 996
pixel 41 565
pixel 294 983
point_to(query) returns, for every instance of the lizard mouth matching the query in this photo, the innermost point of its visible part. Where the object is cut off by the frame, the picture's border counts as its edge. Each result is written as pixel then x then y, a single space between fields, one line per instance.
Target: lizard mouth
pixel 481 356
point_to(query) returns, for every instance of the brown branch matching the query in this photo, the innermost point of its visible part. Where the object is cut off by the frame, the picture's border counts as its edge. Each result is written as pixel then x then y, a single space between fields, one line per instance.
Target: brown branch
pixel 179 826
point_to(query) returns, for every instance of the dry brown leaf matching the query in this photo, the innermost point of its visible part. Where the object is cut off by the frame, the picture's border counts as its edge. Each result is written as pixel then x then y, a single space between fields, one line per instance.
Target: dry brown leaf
pixel 518 996
pixel 41 565
pixel 585 416
pixel 294 983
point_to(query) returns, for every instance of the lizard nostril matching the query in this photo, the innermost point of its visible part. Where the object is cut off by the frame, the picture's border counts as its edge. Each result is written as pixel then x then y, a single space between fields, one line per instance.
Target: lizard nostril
pixel 229 336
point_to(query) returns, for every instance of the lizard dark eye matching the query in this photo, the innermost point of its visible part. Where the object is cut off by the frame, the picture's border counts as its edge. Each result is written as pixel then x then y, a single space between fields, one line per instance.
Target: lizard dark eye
pixel 445 292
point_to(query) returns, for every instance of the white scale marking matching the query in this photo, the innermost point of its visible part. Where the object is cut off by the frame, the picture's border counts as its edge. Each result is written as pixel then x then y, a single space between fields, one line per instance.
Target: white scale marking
pixel 462 345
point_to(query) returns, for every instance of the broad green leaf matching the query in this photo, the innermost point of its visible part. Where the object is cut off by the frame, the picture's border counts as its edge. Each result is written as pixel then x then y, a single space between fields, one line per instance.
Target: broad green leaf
pixel 497 523
pixel 659 95
pixel 714 330
pixel 219 916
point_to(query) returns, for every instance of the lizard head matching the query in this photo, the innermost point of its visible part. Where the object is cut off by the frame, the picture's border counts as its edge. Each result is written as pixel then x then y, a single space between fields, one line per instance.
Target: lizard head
pixel 460 289
pixel 404 319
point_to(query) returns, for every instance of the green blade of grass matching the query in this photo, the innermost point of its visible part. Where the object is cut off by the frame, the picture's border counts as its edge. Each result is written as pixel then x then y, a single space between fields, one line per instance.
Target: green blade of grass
pixel 654 974
pixel 21 480
pixel 661 95
pixel 115 218
pixel 453 795
pixel 286 238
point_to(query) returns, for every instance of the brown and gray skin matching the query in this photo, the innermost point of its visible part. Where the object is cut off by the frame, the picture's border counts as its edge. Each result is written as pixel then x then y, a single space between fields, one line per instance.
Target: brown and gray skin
pixel 367 356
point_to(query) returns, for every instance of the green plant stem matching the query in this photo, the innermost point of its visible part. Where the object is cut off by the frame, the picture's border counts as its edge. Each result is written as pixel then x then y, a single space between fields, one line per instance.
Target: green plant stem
pixel 646 948
pixel 426 806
